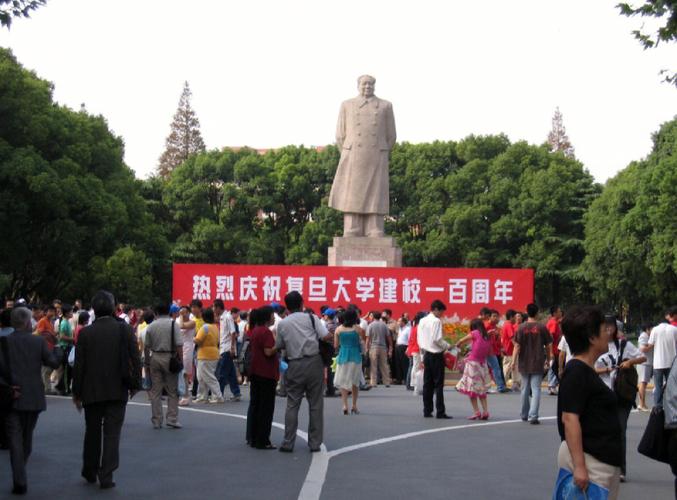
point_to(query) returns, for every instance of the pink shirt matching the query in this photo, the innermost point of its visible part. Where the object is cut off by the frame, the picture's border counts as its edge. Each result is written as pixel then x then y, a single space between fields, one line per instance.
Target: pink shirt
pixel 481 348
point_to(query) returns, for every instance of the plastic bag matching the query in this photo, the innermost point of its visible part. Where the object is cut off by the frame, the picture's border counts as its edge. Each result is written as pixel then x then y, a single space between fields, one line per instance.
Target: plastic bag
pixel 418 382
pixel 71 357
pixel 283 366
pixel 565 489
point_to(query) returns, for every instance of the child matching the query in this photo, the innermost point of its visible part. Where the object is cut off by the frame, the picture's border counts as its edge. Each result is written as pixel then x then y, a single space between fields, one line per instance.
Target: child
pixel 476 377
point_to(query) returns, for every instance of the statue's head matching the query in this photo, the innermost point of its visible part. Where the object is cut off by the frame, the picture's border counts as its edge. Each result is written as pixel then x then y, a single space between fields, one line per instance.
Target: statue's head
pixel 366 85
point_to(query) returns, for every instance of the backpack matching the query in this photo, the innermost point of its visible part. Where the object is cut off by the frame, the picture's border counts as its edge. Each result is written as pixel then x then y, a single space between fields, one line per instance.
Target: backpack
pixel 625 385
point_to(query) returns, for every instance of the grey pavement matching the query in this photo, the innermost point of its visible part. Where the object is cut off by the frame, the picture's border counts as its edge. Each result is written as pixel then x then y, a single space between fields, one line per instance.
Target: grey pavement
pixel 208 458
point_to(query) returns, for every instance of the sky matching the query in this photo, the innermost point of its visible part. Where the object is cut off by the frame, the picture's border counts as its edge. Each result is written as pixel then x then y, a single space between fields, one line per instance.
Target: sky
pixel 269 73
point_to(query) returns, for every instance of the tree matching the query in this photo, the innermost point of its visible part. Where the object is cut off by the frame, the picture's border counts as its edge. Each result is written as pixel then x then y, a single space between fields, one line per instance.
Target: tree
pixel 631 233
pixel 184 138
pixel 666 12
pixel 67 200
pixel 558 140
pixel 10 9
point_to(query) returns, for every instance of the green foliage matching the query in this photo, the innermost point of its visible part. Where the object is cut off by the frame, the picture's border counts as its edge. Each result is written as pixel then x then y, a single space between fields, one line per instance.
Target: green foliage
pixel 10 9
pixel 666 12
pixel 67 200
pixel 631 233
pixel 128 272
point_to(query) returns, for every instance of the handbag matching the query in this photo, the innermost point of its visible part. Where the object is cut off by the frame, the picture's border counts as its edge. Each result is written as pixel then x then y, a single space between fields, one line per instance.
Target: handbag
pixel 8 392
pixel 654 442
pixel 176 361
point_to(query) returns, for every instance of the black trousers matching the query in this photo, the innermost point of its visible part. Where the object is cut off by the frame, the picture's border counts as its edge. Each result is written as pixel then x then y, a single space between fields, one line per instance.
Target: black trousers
pixel 100 460
pixel 401 363
pixel 20 426
pixel 261 408
pixel 623 415
pixel 4 443
pixel 433 382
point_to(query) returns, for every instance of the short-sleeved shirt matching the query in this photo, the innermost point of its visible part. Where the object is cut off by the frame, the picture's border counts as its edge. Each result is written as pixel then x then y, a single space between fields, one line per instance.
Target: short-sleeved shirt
pixel 298 337
pixel 582 392
pixel 564 347
pixel 610 359
pixel 555 330
pixel 378 334
pixel 158 337
pixel 207 338
pixel 65 330
pixel 532 337
pixel 664 339
pixel 507 334
pixel 45 328
pixel 262 365
pixel 643 341
pixel 481 347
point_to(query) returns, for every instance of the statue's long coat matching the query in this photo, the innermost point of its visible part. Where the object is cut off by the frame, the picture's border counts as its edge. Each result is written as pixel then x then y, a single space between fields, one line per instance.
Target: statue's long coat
pixel 365 133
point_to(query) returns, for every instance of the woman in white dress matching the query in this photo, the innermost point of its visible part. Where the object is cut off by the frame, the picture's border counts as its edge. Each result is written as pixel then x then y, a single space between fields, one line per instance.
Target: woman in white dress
pixel 187 326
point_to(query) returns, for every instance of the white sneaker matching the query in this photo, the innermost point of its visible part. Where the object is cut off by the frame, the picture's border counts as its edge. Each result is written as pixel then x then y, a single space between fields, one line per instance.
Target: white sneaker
pixel 200 400
pixel 184 402
pixel 234 399
pixel 216 400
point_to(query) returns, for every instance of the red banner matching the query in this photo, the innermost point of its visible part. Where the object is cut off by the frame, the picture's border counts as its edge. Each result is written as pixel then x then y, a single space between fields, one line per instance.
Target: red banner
pixel 402 289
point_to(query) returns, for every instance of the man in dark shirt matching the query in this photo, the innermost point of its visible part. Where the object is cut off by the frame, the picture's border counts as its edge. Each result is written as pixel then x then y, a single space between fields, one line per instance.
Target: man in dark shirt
pixel 23 355
pixel 533 351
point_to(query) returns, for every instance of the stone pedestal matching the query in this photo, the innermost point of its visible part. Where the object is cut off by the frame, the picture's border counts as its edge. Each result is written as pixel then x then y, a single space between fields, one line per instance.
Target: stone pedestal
pixel 365 252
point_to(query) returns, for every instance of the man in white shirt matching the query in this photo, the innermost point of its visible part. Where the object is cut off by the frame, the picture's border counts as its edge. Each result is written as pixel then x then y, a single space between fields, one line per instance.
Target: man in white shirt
pixel 433 345
pixel 663 342
pixel 225 370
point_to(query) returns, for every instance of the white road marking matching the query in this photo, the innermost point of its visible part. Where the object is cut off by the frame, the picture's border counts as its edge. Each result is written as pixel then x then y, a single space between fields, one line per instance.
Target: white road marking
pixel 317 472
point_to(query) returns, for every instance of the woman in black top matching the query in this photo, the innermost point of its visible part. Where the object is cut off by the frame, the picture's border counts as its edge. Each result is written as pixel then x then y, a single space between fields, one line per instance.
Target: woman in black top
pixel 587 417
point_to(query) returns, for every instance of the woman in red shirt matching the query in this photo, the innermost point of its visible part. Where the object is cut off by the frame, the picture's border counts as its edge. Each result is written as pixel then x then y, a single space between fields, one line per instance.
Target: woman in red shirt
pixel 264 373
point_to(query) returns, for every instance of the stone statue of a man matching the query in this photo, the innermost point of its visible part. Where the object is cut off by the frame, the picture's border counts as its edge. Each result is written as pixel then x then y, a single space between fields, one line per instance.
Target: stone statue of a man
pixel 365 133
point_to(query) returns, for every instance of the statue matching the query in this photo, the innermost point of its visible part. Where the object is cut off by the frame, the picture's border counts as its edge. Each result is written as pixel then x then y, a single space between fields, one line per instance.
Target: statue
pixel 365 134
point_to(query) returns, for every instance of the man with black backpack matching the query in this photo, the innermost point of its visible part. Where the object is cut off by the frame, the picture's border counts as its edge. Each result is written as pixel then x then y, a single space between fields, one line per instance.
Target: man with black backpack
pixel 299 335
pixel 615 367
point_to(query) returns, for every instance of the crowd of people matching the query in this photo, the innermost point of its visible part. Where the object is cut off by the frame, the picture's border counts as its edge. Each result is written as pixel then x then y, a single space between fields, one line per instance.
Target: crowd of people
pixel 189 354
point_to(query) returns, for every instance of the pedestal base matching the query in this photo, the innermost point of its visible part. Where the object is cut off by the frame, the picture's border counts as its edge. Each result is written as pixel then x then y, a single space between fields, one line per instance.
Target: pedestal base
pixel 365 252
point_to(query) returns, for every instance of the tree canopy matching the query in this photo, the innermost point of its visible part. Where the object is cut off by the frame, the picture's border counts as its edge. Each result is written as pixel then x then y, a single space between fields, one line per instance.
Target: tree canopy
pixel 67 200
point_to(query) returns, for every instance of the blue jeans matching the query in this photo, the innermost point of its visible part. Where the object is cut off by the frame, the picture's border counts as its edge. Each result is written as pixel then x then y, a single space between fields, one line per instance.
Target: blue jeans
pixel 492 361
pixel 531 383
pixel 226 374
pixel 553 376
pixel 660 378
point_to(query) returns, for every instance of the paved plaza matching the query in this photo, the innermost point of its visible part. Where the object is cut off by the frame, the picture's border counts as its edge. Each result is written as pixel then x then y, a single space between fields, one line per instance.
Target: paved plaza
pixel 387 452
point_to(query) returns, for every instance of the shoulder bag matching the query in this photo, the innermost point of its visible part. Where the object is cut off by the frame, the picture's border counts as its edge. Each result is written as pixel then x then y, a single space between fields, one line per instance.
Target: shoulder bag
pixel 326 349
pixel 176 361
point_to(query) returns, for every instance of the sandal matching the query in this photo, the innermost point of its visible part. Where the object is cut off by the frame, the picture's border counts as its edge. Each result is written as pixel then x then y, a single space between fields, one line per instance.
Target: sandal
pixel 485 416
pixel 475 416
pixel 355 411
